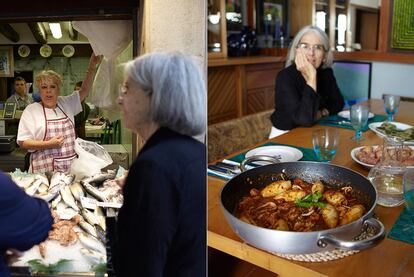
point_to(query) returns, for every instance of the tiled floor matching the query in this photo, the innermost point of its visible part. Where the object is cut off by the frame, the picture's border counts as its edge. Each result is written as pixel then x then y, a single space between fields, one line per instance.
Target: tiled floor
pixel 223 265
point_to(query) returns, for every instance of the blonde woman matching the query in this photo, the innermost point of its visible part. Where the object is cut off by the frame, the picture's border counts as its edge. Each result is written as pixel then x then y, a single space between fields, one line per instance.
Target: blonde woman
pixel 47 128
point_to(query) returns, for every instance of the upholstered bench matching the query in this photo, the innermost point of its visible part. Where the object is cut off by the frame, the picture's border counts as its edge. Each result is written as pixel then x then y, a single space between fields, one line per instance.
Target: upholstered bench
pixel 233 135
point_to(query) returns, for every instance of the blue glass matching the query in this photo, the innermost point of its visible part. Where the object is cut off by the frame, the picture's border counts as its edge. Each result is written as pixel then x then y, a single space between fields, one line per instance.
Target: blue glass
pixel 324 155
pixel 359 118
pixel 391 104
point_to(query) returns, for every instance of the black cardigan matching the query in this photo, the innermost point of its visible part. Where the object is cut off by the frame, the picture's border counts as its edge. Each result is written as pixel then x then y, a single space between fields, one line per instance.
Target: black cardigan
pixel 296 103
pixel 162 224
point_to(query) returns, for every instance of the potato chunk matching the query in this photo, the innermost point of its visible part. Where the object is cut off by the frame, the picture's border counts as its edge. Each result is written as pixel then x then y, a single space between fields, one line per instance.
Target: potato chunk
pixel 291 195
pixel 354 213
pixel 276 188
pixel 330 216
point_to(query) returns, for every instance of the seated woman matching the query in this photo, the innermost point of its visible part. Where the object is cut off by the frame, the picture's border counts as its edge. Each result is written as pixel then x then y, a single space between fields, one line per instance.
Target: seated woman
pixel 306 89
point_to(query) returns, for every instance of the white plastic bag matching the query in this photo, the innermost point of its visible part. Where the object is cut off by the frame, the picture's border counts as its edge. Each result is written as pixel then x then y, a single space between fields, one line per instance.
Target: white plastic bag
pixel 91 159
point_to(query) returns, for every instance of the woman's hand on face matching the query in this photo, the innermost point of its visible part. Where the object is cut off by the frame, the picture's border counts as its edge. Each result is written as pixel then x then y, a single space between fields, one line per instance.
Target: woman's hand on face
pixel 56 142
pixel 306 68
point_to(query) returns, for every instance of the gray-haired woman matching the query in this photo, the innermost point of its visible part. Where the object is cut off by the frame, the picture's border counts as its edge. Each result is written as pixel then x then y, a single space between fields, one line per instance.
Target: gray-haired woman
pixel 161 225
pixel 306 89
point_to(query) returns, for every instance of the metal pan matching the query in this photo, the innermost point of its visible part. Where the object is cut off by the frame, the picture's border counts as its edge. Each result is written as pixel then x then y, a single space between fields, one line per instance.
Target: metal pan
pixel 289 242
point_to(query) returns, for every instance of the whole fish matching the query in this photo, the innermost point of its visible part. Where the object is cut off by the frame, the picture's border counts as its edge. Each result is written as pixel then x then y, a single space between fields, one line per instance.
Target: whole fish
pixel 100 178
pixel 89 217
pixel 31 190
pixel 88 228
pixel 77 190
pixel 94 191
pixel 68 198
pixel 91 243
pixel 100 217
pixel 93 256
pixel 56 201
pixel 23 181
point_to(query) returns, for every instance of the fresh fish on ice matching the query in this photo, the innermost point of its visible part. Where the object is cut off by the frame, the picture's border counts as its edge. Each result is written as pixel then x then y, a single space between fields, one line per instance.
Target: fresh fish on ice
pixel 93 256
pixel 90 217
pixel 88 228
pixel 91 243
pixel 77 190
pixel 68 198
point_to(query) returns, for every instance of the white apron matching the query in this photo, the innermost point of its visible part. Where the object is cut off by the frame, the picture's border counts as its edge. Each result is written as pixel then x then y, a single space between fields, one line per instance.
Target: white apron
pixel 56 159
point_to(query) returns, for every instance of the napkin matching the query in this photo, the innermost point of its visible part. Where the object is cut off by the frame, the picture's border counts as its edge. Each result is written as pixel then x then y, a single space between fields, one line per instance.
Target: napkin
pixel 338 121
pixel 403 228
pixel 308 154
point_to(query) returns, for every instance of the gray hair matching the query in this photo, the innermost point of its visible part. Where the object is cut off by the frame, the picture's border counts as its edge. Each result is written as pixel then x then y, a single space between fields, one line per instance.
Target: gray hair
pixel 177 89
pixel 327 61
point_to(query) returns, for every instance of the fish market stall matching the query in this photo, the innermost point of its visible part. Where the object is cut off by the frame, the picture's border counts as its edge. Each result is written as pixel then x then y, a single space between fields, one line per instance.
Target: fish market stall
pixel 77 241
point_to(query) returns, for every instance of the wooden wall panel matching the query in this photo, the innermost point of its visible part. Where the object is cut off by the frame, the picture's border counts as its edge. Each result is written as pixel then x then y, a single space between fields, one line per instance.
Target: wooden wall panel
pixel 222 94
pixel 260 100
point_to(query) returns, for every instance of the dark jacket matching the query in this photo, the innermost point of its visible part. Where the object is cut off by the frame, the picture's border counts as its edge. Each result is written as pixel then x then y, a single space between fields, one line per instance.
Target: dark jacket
pixel 296 103
pixel 25 221
pixel 162 224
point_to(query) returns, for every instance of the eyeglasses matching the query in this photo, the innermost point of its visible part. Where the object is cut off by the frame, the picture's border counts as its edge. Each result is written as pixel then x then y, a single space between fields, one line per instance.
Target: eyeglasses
pixel 315 47
pixel 123 90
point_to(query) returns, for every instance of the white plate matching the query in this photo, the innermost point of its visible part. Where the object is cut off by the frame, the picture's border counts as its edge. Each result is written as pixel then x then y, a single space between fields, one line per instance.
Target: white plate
pixel 283 153
pixel 399 125
pixel 345 114
pixel 368 166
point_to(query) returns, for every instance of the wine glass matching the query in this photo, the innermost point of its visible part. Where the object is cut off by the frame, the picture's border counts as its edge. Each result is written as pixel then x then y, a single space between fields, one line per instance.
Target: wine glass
pixel 391 103
pixel 408 186
pixel 359 118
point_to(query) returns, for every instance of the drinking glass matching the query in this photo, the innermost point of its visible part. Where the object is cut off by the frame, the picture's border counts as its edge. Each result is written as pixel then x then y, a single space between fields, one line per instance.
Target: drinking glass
pixel 408 186
pixel 325 143
pixel 391 104
pixel 359 118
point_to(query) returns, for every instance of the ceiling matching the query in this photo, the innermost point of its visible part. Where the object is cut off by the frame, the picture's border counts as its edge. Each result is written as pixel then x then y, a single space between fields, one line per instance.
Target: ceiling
pixel 38 33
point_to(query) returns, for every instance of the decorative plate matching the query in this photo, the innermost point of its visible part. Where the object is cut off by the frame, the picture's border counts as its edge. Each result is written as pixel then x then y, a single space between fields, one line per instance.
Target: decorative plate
pixel 23 51
pixel 68 51
pixel 45 51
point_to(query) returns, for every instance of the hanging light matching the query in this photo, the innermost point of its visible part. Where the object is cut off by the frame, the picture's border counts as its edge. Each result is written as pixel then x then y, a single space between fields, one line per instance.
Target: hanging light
pixel 56 30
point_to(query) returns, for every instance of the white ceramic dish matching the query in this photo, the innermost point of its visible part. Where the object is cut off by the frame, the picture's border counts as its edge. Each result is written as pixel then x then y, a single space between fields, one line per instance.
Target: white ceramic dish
pixel 283 153
pixel 346 114
pixel 368 166
pixel 399 125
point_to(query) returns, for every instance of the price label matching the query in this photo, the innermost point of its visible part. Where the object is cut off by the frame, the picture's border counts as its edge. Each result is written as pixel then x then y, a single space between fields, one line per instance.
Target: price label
pixel 90 203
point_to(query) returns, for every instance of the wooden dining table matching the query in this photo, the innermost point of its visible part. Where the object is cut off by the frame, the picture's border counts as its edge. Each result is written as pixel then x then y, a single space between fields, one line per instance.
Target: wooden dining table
pixel 389 258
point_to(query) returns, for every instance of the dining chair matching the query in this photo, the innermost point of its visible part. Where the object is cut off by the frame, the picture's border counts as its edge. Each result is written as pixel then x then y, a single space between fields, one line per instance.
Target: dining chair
pixel 233 135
